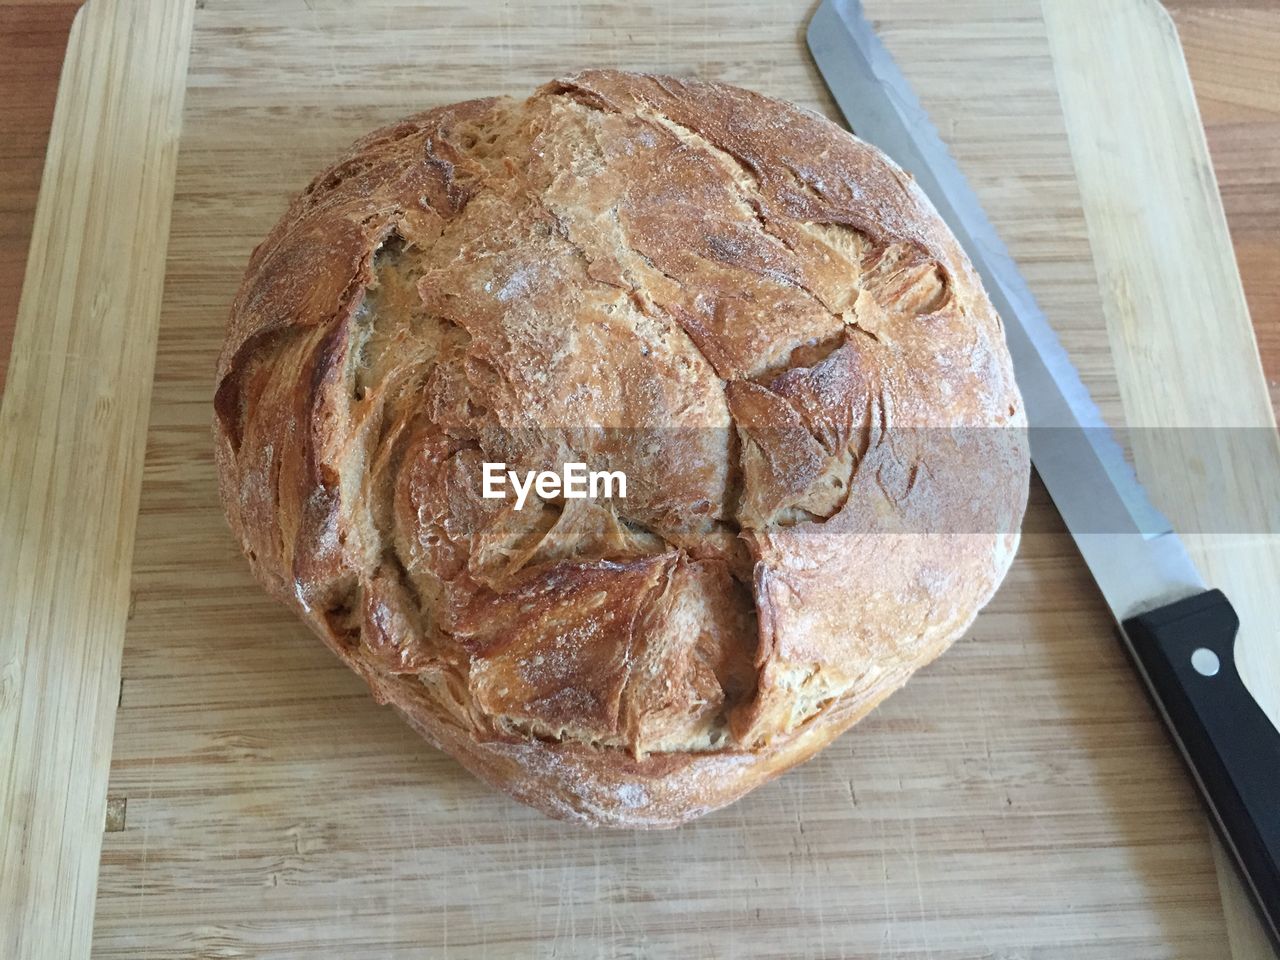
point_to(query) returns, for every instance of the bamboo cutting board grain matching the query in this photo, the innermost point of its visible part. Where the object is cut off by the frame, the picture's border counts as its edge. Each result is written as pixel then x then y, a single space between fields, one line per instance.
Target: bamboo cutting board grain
pixel 72 435
pixel 1017 799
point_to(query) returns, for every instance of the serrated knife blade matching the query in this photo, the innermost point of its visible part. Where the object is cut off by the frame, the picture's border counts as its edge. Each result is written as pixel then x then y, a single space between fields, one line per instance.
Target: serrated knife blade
pixel 1180 635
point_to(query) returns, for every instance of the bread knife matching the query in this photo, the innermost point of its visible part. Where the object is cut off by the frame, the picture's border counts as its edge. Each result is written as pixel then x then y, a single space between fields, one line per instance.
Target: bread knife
pixel 1180 635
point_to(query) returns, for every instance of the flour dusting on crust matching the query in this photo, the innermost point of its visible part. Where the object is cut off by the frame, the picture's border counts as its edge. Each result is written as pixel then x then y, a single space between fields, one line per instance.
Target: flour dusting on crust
pixel 756 317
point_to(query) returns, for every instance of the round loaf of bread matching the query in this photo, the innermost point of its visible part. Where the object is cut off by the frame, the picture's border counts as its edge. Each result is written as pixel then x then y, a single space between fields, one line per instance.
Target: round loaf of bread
pixel 756 318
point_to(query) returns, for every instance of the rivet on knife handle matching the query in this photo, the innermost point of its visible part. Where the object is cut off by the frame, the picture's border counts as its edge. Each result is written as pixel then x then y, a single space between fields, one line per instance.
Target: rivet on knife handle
pixel 1185 652
pixel 1181 635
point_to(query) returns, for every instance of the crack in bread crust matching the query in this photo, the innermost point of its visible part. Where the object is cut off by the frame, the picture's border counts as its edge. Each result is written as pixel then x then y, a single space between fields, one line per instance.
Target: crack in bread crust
pixel 731 300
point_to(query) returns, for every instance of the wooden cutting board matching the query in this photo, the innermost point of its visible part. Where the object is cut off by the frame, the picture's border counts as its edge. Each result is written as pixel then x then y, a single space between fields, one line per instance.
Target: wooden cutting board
pixel 1017 799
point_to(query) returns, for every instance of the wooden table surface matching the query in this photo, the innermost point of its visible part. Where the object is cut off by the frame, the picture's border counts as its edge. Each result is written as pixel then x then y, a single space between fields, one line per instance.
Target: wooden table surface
pixel 1232 47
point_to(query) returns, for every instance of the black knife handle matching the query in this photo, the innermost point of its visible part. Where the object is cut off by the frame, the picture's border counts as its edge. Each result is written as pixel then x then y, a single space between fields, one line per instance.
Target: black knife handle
pixel 1186 651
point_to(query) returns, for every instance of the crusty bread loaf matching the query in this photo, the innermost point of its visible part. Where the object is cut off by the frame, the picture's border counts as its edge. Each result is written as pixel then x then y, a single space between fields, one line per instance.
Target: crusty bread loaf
pixel 758 318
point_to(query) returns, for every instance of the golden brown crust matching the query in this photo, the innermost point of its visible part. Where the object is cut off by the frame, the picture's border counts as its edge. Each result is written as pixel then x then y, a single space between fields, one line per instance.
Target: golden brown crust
pixel 758 318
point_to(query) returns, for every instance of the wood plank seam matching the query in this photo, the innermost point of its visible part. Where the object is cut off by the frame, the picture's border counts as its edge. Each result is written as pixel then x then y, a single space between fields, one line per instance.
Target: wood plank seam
pixel 1136 207
pixel 72 436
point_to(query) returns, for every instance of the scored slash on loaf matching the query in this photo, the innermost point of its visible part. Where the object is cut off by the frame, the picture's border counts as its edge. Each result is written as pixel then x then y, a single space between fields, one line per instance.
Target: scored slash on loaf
pixel 757 318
